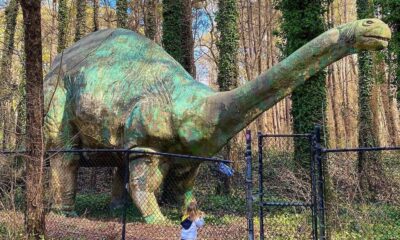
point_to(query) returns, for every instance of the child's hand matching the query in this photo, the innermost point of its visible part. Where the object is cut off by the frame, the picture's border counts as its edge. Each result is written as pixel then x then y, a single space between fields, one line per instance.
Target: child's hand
pixel 202 214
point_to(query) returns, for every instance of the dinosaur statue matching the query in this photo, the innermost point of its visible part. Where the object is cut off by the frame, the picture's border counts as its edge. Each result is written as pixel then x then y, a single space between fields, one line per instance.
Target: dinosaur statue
pixel 117 89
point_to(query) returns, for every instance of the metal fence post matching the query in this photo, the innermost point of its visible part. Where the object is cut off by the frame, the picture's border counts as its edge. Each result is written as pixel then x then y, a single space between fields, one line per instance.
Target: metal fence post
pixel 249 186
pixel 126 179
pixel 314 204
pixel 321 183
pixel 260 184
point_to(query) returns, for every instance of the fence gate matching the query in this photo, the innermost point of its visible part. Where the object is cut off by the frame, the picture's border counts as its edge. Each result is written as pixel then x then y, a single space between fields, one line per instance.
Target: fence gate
pixel 316 190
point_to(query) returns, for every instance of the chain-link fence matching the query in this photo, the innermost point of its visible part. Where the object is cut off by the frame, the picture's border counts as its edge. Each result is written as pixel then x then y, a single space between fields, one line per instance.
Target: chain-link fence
pixel 86 197
pixel 363 193
pixel 361 189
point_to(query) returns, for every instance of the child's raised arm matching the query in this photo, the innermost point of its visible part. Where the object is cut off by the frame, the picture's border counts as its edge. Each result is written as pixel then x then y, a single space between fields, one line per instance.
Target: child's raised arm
pixel 199 222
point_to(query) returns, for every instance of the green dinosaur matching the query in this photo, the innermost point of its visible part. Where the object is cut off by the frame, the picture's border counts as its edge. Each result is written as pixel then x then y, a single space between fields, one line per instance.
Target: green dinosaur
pixel 117 89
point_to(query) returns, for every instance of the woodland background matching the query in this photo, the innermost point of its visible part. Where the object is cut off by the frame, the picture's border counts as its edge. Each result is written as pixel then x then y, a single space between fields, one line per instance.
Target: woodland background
pixel 355 100
pixel 261 44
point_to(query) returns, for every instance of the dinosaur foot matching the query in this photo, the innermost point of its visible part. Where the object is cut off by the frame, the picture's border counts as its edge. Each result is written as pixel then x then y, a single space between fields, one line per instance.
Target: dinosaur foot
pixel 155 219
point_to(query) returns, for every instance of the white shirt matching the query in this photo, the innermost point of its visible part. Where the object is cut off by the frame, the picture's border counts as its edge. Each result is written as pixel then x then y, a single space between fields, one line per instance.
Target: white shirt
pixel 191 232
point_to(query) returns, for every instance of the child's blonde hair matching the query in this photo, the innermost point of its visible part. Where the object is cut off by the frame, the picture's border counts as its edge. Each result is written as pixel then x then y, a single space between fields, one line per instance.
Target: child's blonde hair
pixel 192 211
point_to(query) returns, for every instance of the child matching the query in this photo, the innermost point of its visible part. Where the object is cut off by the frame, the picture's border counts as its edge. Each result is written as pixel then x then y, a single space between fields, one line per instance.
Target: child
pixel 192 220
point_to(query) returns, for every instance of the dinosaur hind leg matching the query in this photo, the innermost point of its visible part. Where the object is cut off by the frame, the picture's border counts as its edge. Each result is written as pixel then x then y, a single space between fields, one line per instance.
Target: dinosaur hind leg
pixel 64 170
pixel 146 175
pixel 60 133
pixel 117 193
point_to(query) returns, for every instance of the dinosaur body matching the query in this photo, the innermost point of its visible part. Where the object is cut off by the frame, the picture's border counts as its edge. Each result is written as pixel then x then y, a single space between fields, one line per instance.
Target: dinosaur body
pixel 116 89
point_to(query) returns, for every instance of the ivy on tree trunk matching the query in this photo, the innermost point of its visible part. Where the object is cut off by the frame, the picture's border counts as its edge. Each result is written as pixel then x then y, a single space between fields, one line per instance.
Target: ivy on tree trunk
pixel 177 37
pixel 62 25
pixel 370 169
pixel 228 72
pixel 122 13
pixel 7 123
pixel 80 19
pixel 303 20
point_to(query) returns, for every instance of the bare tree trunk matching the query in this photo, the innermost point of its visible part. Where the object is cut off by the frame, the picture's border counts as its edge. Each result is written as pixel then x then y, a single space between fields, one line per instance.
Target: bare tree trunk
pixel 34 215
pixel 150 18
pixel 95 15
pixel 188 41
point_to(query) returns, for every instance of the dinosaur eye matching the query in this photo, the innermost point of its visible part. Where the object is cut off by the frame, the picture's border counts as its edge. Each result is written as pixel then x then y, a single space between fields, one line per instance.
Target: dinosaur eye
pixel 370 22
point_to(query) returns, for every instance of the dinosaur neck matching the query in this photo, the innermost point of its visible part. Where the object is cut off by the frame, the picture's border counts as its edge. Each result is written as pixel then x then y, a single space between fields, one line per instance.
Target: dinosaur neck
pixel 234 110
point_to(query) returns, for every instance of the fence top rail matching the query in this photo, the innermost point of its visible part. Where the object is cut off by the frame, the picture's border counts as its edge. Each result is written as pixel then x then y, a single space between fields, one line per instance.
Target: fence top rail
pixel 362 149
pixel 126 151
pixel 283 135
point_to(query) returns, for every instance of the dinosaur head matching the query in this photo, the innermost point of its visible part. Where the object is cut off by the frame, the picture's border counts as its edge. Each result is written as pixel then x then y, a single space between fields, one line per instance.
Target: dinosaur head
pixel 371 34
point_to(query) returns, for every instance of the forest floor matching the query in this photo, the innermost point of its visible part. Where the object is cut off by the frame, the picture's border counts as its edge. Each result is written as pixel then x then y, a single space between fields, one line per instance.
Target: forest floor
pixel 60 227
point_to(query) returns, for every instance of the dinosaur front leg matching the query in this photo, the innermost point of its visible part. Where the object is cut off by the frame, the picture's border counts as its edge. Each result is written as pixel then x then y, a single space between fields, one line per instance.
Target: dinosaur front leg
pixel 64 170
pixel 146 175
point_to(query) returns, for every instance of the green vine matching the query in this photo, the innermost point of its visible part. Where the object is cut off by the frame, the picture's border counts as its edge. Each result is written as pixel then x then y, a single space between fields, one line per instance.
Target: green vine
pixel 122 13
pixel 228 44
pixel 172 29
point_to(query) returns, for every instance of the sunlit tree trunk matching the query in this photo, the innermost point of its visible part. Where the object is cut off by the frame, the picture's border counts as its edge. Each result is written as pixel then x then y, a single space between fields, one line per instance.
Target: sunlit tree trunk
pixel 8 85
pixel 150 27
pixel 34 214
pixel 80 29
pixel 95 15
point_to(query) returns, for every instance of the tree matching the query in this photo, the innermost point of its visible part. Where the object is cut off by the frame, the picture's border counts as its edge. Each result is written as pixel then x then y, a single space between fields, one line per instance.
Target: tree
pixel 301 22
pixel 390 11
pixel 80 19
pixel 34 215
pixel 177 37
pixel 7 120
pixel 95 15
pixel 122 13
pixel 228 45
pixel 62 25
pixel 150 27
pixel 370 169
pixel 228 72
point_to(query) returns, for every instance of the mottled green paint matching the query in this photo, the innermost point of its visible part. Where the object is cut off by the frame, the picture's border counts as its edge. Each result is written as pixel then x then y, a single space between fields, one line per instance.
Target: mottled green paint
pixel 118 89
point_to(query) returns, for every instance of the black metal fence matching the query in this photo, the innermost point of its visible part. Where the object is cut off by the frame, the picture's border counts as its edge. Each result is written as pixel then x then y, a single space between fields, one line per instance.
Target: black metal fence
pixel 98 202
pixel 307 199
pixel 363 192
pixel 349 193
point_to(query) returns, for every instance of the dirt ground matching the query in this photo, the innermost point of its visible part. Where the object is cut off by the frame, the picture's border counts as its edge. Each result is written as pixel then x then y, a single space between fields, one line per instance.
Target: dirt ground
pixel 59 227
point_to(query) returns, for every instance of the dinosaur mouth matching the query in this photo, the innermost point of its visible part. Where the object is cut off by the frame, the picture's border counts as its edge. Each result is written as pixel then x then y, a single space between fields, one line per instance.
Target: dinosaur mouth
pixel 386 39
